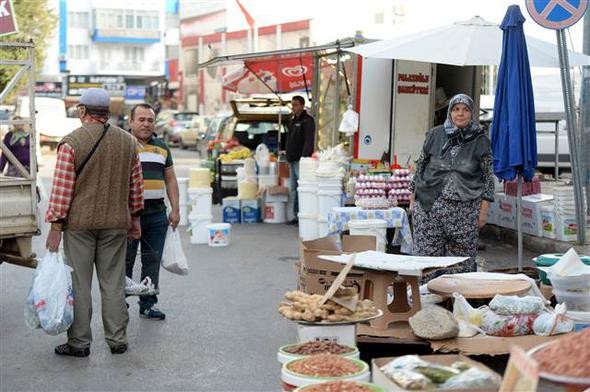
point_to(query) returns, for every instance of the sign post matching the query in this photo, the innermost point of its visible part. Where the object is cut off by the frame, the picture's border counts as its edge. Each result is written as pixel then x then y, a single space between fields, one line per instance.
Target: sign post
pixel 7 18
pixel 559 15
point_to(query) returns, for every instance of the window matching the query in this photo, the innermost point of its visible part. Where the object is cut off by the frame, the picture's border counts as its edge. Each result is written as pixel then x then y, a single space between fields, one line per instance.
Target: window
pixel 120 21
pixel 379 17
pixel 78 52
pixel 78 20
pixel 129 21
pixel 190 61
pixel 134 54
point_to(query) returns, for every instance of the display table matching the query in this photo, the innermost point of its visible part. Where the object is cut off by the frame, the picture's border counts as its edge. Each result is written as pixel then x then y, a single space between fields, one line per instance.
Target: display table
pixel 395 217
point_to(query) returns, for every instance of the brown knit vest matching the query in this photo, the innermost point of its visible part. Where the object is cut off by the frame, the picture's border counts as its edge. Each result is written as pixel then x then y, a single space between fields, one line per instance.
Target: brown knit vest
pixel 101 194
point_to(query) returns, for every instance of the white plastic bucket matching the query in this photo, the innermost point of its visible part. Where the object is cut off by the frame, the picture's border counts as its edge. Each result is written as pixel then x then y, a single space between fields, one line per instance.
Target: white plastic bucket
pixel 374 227
pixel 292 380
pixel 326 201
pixel 323 228
pixel 198 228
pixel 219 234
pixel 275 212
pixel 183 210
pixel 267 180
pixel 182 190
pixel 201 200
pixel 307 168
pixel 200 177
pixel 308 227
pixel 308 197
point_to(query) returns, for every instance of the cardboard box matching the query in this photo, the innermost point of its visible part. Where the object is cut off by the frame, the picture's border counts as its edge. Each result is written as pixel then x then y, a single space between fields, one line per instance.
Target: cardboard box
pixel 382 380
pixel 548 222
pixel 231 210
pixel 506 216
pixel 341 334
pixel 316 275
pixel 531 213
pixel 250 211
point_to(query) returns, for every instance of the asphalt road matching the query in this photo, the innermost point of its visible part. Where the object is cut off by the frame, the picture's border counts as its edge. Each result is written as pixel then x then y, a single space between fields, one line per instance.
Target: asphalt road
pixel 222 329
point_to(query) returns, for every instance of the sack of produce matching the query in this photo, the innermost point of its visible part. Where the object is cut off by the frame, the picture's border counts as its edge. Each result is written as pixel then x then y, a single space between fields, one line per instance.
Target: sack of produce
pixel 511 304
pixel 500 325
pixel 471 378
pixel 469 319
pixel 434 323
pixel 553 323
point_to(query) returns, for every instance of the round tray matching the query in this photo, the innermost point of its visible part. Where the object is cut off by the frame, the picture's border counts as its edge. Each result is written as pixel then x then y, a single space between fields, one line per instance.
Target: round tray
pixel 581 381
pixel 303 322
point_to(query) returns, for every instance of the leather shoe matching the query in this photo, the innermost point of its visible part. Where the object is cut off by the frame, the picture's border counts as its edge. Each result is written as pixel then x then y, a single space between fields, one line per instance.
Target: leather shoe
pixel 120 349
pixel 66 349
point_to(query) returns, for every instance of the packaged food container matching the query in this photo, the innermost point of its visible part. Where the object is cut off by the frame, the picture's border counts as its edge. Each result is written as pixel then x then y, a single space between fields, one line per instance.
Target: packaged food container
pixel 291 379
pixel 568 283
pixel 330 384
pixel 547 260
pixel 577 301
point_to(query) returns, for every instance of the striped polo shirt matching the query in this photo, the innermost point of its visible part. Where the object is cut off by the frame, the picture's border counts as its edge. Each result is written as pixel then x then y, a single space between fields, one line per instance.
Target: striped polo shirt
pixel 155 157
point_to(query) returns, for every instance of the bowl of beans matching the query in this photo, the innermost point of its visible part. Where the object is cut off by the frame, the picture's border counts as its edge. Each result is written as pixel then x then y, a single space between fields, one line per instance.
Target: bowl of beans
pixel 319 368
pixel 341 386
pixel 300 350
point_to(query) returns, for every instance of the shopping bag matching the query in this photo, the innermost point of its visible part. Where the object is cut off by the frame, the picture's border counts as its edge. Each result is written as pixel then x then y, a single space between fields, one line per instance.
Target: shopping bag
pixel 469 319
pixel 50 303
pixel 173 258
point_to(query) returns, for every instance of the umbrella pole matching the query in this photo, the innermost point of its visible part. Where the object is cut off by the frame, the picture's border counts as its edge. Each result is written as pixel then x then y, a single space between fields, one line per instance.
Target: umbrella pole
pixel 519 220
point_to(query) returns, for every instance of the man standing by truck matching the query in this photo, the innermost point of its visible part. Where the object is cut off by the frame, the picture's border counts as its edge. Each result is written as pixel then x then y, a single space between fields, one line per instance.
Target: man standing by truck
pixel 159 178
pixel 300 143
pixel 95 201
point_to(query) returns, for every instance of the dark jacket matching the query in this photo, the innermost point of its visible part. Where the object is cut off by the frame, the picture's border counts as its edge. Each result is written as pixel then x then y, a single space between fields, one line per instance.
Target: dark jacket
pixel 301 137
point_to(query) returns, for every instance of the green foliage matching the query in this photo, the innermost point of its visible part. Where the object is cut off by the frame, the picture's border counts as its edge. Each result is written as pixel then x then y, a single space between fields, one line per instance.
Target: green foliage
pixel 36 22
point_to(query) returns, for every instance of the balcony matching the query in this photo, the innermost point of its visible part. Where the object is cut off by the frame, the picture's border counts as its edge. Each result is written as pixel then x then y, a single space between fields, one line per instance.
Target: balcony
pixel 126 36
pixel 130 67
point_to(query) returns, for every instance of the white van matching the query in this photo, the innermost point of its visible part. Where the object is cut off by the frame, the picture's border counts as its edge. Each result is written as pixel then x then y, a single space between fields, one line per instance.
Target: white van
pixel 51 119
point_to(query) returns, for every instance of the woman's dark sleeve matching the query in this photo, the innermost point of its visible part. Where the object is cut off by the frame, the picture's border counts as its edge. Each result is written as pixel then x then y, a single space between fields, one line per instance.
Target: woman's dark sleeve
pixel 421 162
pixel 486 165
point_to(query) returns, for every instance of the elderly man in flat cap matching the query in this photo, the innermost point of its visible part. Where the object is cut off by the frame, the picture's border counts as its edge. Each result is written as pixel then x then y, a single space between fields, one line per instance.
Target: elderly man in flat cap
pixel 95 200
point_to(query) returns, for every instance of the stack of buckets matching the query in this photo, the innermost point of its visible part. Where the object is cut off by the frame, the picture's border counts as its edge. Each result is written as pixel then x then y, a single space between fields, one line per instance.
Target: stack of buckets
pixel 565 213
pixel 183 200
pixel 275 208
pixel 200 196
pixel 319 191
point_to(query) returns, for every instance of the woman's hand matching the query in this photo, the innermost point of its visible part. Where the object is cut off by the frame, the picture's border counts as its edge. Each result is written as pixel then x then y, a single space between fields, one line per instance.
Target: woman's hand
pixel 483 213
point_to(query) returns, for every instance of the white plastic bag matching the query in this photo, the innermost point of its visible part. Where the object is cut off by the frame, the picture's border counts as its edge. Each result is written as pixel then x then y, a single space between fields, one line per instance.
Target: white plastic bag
pixel 173 258
pixel 553 323
pixel 469 319
pixel 50 303
pixel 350 122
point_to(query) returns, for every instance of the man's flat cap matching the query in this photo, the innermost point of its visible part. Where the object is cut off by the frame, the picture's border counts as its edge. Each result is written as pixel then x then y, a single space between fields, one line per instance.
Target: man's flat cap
pixel 95 97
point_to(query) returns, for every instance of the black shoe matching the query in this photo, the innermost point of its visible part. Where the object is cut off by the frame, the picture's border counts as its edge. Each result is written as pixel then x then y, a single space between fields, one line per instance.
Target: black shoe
pixel 66 349
pixel 120 349
pixel 294 222
pixel 152 314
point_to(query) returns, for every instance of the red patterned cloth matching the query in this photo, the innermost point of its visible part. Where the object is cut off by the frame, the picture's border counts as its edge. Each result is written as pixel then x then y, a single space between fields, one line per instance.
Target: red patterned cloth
pixel 64 181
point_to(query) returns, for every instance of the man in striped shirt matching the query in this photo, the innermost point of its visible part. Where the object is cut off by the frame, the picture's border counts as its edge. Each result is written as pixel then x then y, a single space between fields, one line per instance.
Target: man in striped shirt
pixel 95 200
pixel 159 179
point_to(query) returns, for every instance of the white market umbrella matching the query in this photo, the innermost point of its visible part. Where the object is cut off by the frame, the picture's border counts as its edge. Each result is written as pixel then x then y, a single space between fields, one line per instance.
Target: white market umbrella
pixel 472 42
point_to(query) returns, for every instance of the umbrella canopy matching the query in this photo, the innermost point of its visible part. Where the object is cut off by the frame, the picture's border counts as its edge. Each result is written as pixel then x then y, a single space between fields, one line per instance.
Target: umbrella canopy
pixel 472 42
pixel 513 129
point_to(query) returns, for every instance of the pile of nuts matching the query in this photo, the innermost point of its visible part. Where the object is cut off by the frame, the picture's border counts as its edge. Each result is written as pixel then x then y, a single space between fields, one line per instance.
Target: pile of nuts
pixel 314 348
pixel 338 386
pixel 324 365
pixel 306 307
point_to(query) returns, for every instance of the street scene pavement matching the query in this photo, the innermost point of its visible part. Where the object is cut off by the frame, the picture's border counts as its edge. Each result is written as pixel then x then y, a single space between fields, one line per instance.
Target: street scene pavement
pixel 222 329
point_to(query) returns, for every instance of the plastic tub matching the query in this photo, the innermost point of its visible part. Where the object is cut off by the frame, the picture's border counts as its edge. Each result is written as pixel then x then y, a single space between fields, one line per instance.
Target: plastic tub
pixel 201 200
pixel 374 227
pixel 199 177
pixel 323 228
pixel 284 357
pixel 308 227
pixel 577 301
pixel 547 260
pixel 308 197
pixel 326 201
pixel 182 190
pixel 307 168
pixel 293 380
pixel 568 283
pixel 267 180
pixel 370 386
pixel 219 234
pixel 198 228
pixel 275 212
pixel 581 319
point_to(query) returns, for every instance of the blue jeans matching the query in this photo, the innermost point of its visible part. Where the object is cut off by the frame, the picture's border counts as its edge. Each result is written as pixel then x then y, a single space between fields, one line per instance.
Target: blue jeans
pixel 153 234
pixel 294 176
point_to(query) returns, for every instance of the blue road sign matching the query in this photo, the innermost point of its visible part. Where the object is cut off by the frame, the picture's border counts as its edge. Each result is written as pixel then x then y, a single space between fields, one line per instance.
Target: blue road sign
pixel 556 14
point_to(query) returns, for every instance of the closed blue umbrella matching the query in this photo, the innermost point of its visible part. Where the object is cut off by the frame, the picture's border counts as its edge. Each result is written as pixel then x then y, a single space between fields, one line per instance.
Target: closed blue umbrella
pixel 514 140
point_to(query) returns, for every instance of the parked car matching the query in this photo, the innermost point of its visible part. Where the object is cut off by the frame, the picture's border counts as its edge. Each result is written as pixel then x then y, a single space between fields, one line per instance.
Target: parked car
pixel 191 136
pixel 162 120
pixel 176 125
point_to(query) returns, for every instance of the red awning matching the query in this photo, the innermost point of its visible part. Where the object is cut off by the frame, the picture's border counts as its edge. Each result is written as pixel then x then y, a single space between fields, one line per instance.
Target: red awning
pixel 278 73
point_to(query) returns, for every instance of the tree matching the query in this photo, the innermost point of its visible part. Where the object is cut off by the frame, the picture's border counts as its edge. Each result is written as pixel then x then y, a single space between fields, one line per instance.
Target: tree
pixel 37 22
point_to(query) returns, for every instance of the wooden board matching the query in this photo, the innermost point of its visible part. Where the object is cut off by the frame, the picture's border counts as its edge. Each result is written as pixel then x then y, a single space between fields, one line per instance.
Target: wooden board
pixel 477 288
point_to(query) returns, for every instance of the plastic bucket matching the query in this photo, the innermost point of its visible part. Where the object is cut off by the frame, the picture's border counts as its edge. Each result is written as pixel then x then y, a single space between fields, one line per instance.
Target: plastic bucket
pixel 182 190
pixel 323 228
pixel 292 380
pixel 548 259
pixel 219 234
pixel 374 227
pixel 198 228
pixel 199 177
pixel 284 356
pixel 308 227
pixel 581 319
pixel 308 197
pixel 183 209
pixel 326 201
pixel 307 168
pixel 577 301
pixel 267 180
pixel 275 212
pixel 201 200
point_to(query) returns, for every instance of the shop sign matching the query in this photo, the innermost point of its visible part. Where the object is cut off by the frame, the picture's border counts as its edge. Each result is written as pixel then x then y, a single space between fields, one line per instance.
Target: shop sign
pixel 135 93
pixel 115 85
pixel 420 84
pixel 48 89
pixel 7 18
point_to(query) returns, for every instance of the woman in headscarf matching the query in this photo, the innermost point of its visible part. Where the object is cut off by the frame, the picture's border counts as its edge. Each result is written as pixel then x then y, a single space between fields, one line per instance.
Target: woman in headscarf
pixel 18 142
pixel 452 188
